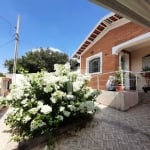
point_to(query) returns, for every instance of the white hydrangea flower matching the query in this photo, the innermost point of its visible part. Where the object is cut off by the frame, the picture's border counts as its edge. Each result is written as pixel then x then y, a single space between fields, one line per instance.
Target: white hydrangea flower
pixel 24 102
pixel 48 88
pixel 36 124
pixel 58 95
pixel 53 99
pixel 62 108
pixel 26 119
pixel 89 105
pixel 63 79
pixel 39 104
pixel 50 79
pixel 17 93
pixel 70 97
pixel 66 113
pixel 8 97
pixel 46 109
pixel 21 112
pixel 67 67
pixel 34 110
pixel 86 77
pixel 58 68
pixel 71 107
pixel 77 85
pixel 90 112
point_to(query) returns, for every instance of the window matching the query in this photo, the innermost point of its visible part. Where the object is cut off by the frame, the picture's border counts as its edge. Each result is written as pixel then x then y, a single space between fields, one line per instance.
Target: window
pixel 146 61
pixel 94 63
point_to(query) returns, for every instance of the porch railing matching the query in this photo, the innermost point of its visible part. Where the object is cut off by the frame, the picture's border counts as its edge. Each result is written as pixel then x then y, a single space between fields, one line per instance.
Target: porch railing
pixel 131 80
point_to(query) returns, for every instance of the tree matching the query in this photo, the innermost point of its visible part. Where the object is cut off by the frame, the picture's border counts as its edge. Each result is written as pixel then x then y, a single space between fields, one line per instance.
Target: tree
pixel 1 74
pixel 74 64
pixel 9 64
pixel 40 59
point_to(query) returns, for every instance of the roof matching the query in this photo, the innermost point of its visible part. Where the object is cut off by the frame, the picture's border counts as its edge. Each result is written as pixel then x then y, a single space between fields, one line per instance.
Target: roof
pixel 136 10
pixel 104 23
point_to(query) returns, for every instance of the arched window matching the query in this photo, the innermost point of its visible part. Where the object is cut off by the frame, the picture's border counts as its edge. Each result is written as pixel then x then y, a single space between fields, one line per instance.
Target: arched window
pixel 94 63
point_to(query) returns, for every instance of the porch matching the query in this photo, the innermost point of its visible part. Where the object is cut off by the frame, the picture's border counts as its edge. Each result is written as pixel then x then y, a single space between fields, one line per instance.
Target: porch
pixel 122 100
pixel 133 62
pixel 130 95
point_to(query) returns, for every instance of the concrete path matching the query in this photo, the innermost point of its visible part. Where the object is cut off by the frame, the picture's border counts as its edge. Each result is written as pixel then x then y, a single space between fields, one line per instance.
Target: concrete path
pixel 110 130
pixel 5 132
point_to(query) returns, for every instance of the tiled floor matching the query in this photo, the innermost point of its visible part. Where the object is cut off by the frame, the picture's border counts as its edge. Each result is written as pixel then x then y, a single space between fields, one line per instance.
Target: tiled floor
pixel 110 130
pixel 113 130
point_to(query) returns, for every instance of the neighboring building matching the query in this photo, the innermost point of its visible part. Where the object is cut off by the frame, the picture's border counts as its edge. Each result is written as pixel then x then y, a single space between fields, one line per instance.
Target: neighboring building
pixel 114 42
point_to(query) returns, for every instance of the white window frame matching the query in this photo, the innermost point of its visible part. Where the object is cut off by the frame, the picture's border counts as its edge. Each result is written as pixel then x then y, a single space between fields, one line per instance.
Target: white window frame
pixel 88 59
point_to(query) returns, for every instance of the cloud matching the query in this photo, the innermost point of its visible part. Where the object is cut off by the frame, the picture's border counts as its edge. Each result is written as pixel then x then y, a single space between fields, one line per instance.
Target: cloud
pixel 55 49
pixel 51 48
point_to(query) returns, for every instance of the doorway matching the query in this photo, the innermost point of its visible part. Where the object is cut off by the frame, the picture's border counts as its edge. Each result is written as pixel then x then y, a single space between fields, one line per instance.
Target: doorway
pixel 124 63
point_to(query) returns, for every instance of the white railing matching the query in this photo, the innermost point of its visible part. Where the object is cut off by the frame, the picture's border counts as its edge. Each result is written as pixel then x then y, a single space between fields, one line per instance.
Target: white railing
pixel 131 80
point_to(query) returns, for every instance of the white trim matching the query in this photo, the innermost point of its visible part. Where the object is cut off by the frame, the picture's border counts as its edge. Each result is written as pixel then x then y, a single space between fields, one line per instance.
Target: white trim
pixel 101 20
pixel 120 22
pixel 114 25
pixel 138 40
pixel 88 59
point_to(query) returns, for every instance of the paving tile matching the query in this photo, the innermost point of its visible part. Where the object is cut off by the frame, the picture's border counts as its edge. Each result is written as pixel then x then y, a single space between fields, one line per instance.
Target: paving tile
pixel 115 130
pixel 110 130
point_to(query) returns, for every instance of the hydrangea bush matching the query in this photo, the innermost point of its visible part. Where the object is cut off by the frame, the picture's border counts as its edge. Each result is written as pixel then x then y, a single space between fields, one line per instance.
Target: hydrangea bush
pixel 44 100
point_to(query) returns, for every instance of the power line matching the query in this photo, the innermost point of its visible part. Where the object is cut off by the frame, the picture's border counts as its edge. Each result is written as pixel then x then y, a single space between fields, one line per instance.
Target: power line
pixel 10 31
pixel 5 20
pixel 8 22
pixel 6 43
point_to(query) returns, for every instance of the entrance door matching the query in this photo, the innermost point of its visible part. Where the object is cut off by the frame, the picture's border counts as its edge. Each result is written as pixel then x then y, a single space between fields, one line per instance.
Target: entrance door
pixel 124 62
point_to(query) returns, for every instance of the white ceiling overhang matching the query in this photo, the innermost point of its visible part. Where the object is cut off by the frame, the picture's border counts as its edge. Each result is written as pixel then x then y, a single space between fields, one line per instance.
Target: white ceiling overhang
pixel 140 41
pixel 135 10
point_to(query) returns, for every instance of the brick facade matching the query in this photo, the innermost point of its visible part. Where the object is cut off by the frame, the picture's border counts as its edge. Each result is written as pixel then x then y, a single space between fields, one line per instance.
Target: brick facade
pixel 110 62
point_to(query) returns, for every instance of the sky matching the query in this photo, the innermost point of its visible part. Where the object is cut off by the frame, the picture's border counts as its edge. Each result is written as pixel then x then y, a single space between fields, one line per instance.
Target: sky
pixel 57 24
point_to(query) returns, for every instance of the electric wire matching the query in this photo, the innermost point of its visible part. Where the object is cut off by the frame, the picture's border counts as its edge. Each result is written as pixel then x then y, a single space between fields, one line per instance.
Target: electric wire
pixel 6 43
pixel 10 31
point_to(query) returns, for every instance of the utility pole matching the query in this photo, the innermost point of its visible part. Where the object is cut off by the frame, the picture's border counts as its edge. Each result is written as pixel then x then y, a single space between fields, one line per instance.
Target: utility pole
pixel 16 47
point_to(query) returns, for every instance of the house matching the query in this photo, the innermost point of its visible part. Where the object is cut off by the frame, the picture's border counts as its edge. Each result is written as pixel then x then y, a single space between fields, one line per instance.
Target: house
pixel 115 42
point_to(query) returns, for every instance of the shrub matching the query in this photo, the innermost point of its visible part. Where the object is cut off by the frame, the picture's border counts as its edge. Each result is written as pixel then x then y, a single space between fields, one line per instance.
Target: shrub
pixel 44 100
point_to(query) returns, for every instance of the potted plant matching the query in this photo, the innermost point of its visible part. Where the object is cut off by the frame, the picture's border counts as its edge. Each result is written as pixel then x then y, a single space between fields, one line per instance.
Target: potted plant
pixel 119 80
pixel 146 74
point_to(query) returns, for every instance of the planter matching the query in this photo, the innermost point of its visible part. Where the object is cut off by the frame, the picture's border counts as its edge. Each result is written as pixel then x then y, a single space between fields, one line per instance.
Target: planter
pixel 119 88
pixel 145 74
pixel 146 89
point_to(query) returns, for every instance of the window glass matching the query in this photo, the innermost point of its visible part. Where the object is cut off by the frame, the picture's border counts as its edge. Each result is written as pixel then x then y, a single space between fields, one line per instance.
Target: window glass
pixel 94 65
pixel 146 61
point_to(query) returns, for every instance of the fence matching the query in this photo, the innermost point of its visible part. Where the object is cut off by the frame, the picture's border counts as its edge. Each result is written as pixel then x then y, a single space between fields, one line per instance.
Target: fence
pixel 129 79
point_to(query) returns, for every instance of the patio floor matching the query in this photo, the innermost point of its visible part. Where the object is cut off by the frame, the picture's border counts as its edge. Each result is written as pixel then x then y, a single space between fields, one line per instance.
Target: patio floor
pixel 110 130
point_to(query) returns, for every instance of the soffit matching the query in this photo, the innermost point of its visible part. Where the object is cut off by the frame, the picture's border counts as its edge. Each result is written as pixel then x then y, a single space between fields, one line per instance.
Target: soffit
pixel 98 30
pixel 135 10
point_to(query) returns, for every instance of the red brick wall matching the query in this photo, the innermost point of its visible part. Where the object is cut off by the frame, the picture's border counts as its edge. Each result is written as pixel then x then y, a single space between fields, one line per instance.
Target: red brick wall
pixel 105 44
